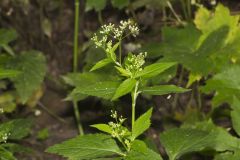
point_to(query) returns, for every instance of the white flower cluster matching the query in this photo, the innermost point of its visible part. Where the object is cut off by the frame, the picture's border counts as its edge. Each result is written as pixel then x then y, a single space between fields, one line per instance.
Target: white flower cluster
pixel 4 137
pixel 118 131
pixel 135 63
pixel 110 31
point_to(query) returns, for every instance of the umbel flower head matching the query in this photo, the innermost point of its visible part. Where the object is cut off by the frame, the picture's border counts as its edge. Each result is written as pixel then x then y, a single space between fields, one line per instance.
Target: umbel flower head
pixel 113 32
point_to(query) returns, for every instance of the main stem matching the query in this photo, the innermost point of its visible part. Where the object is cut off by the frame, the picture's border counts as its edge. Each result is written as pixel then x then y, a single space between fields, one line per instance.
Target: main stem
pixel 75 63
pixel 134 99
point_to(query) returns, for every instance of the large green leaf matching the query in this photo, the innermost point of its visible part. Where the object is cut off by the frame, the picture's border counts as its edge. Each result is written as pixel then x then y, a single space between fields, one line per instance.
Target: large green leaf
pixel 124 88
pixel 163 89
pixel 87 147
pixel 154 69
pixel 179 42
pixel 141 124
pixel 32 65
pixel 98 5
pixel 140 151
pixel 203 136
pixel 235 115
pixel 105 89
pixel 81 80
pixel 225 84
pixel 87 78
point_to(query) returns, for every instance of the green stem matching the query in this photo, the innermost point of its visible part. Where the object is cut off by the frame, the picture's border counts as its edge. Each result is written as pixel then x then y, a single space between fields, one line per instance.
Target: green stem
pixel 77 116
pixel 76 29
pixel 75 63
pixel 184 9
pixel 174 13
pixel 134 99
pixel 164 15
pixel 189 9
pixel 175 100
pixel 124 145
pixel 120 50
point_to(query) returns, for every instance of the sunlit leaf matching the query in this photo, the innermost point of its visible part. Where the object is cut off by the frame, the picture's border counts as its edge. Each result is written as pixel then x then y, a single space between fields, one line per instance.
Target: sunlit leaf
pixel 124 88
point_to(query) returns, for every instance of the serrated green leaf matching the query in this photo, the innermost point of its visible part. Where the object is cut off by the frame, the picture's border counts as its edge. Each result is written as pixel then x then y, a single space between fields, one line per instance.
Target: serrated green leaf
pixel 203 136
pixel 8 73
pixel 141 124
pixel 153 69
pixel 178 142
pixel 235 115
pixel 104 89
pixel 163 89
pixel 101 64
pixel 87 147
pixel 226 85
pixel 208 22
pixel 124 88
pixel 97 5
pixel 140 151
pixel 32 65
pixel 103 127
pixel 80 80
pixel 120 3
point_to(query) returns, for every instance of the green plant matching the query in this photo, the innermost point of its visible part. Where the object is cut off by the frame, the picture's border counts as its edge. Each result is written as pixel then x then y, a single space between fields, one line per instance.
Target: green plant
pixel 75 63
pixel 25 70
pixel 133 77
pixel 10 133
